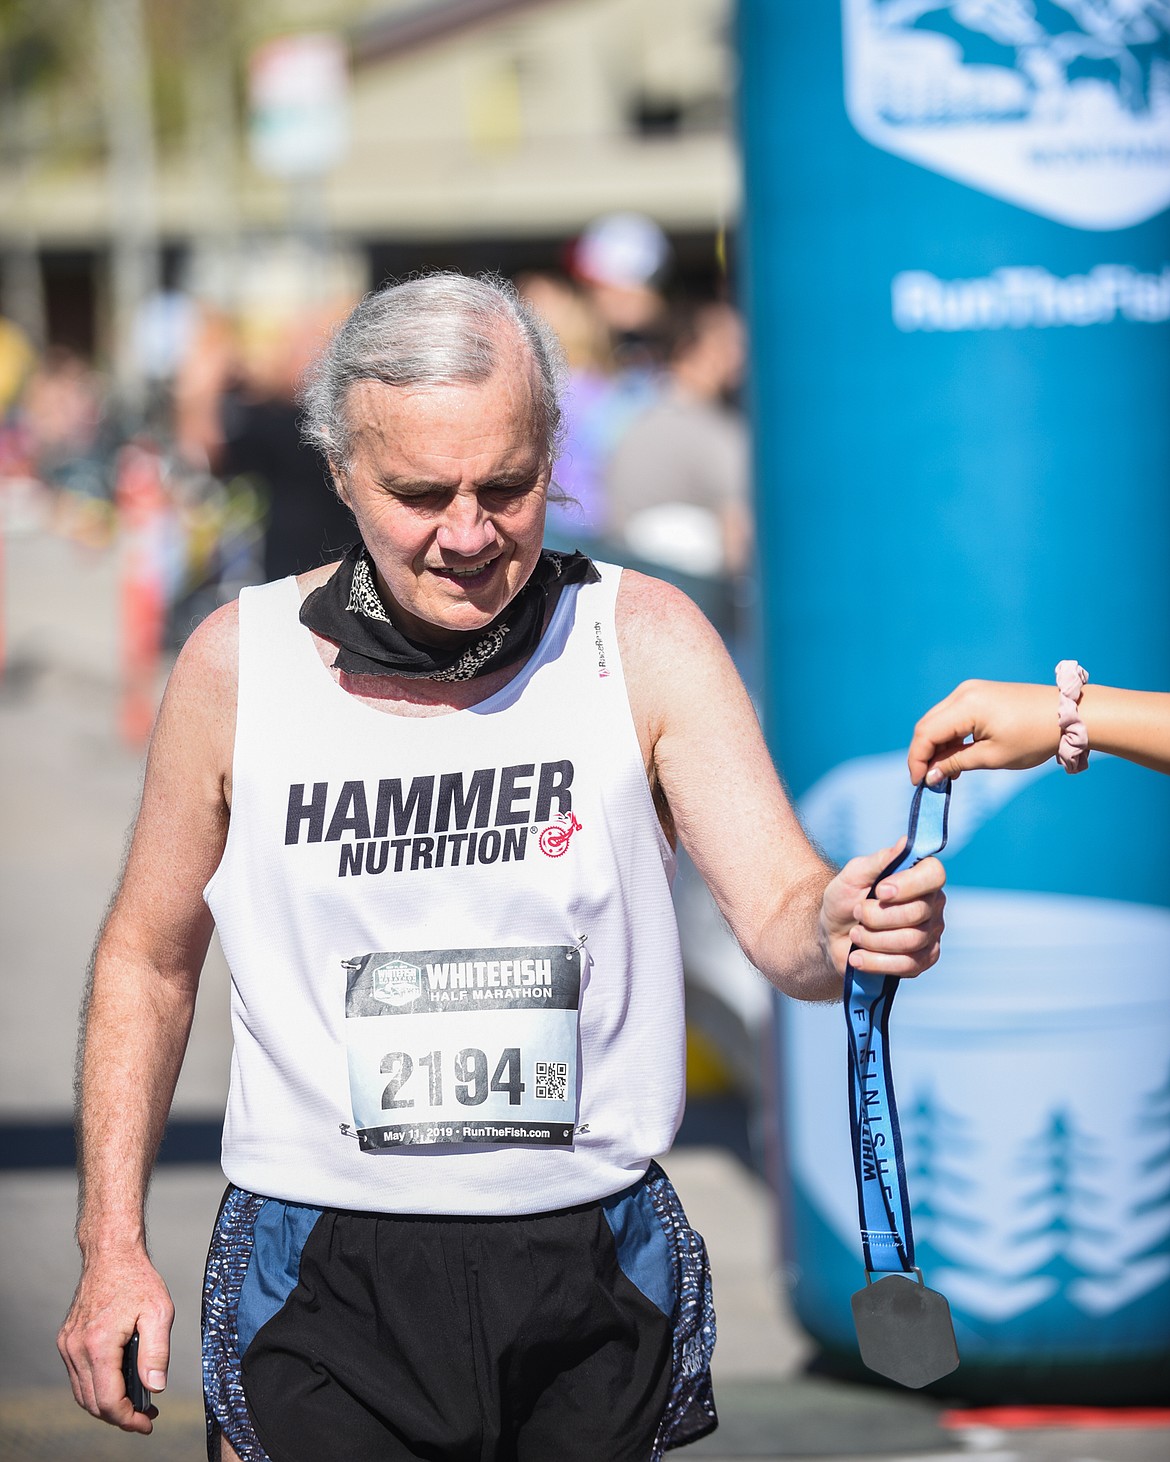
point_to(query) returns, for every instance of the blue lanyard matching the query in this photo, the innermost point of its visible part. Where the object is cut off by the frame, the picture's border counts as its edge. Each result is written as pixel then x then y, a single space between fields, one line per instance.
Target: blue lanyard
pixel 883 1202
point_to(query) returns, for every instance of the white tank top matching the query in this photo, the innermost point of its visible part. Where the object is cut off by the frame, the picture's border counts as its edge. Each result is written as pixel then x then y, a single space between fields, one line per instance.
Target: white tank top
pixel 456 981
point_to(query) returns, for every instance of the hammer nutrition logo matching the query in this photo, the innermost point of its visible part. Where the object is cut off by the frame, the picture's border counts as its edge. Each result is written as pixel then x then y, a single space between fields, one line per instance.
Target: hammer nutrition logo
pixel 452 820
pixel 1059 106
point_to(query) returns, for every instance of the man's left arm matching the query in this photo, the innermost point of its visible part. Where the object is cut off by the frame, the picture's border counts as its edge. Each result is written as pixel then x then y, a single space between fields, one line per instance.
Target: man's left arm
pixel 705 753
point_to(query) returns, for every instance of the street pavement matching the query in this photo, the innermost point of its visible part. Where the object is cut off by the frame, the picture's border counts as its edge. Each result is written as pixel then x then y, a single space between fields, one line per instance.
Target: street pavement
pixel 67 793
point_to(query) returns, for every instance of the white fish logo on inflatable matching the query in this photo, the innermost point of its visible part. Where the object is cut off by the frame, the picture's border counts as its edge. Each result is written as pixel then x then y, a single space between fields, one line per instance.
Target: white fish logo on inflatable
pixel 1059 106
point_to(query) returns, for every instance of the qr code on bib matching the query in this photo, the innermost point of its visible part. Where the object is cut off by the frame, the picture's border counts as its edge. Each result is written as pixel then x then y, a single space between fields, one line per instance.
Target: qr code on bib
pixel 552 1081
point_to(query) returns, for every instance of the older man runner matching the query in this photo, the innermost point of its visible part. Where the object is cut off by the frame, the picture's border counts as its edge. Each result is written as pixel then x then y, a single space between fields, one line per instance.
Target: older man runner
pixel 429 797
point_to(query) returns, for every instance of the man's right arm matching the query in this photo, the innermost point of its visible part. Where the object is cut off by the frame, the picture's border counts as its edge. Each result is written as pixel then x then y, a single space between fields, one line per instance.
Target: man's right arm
pixel 705 754
pixel 138 1012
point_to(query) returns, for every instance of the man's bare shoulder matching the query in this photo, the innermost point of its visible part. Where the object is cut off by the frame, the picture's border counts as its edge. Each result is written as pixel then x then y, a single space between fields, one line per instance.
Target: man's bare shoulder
pixel 672 655
pixel 197 718
pixel 661 629
pixel 210 657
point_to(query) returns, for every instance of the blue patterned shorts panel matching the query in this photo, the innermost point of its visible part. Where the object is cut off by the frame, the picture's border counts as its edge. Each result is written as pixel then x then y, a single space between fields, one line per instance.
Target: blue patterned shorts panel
pixel 690 1408
pixel 227 1264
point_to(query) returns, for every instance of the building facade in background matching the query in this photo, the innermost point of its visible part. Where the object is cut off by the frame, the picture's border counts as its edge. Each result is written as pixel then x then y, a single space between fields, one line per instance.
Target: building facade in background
pixel 478 134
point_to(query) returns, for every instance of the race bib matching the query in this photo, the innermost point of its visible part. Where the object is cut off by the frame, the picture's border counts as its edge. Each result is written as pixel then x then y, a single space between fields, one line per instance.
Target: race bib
pixel 464 1045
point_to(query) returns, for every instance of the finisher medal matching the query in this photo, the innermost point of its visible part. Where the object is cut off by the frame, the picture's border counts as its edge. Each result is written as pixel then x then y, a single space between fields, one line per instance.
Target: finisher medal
pixel 904 1329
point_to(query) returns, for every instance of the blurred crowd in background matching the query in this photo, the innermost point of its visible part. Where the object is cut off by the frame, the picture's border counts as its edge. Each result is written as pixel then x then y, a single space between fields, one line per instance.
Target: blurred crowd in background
pixel 654 470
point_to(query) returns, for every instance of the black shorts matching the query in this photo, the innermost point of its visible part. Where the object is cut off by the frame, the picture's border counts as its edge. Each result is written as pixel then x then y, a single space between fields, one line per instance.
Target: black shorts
pixel 585 1333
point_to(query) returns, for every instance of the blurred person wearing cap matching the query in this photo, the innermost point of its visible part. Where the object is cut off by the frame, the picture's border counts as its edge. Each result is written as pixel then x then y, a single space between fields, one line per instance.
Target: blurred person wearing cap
pixel 677 483
pixel 621 259
pixel 429 798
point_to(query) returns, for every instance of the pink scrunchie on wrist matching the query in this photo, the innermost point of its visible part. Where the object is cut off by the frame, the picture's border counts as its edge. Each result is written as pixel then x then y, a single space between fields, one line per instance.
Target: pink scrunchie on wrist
pixel 1073 751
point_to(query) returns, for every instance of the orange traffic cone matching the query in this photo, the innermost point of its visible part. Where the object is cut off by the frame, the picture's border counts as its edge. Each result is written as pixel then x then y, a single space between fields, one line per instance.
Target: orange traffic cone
pixel 142 504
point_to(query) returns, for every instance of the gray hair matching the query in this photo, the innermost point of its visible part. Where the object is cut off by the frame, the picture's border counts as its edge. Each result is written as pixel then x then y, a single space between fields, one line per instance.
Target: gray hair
pixel 435 330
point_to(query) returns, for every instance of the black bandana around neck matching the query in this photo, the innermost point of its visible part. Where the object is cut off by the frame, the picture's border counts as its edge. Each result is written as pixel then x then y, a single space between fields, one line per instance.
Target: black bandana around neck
pixel 349 611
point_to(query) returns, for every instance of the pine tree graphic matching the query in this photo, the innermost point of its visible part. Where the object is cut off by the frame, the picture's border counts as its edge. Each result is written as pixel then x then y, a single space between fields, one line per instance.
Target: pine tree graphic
pixel 1155 1117
pixel 1062 1152
pixel 1132 1282
pixel 1154 1172
pixel 934 1141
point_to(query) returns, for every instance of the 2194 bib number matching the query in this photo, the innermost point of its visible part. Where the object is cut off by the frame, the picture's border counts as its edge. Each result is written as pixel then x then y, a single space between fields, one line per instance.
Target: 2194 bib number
pixel 469 1072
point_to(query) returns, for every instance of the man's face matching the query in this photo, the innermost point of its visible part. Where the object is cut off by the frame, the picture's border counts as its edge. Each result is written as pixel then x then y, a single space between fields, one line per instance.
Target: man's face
pixel 448 486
